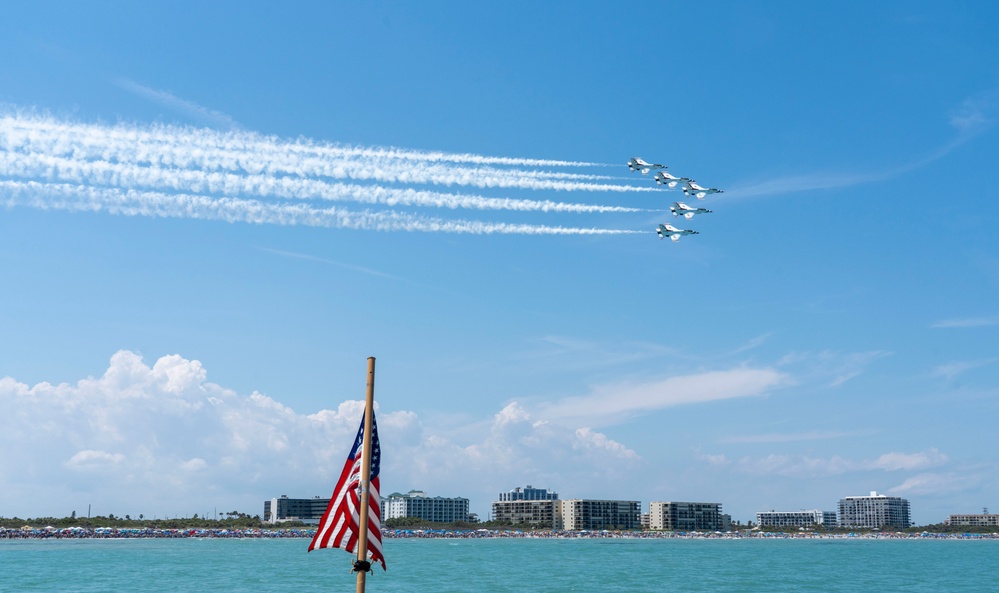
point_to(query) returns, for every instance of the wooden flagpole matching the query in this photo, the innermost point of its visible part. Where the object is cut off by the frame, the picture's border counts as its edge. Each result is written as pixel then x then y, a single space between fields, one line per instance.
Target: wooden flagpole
pixel 362 527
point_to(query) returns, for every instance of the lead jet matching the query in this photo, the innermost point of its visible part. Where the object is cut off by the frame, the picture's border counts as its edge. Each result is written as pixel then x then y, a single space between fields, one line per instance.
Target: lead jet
pixel 668 230
pixel 664 178
pixel 681 209
pixel 637 164
pixel 690 188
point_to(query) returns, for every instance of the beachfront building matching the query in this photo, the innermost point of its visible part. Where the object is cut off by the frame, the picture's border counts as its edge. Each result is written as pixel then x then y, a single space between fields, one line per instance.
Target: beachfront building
pixel 526 506
pixel 528 493
pixel 579 514
pixel 306 510
pixel 540 513
pixel 980 520
pixel 796 519
pixel 686 516
pixel 874 512
pixel 416 503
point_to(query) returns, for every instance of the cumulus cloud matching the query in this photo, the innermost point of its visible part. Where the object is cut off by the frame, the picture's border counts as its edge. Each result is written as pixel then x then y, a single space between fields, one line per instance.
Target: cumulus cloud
pixel 518 447
pixel 908 461
pixel 153 425
pixel 162 439
pixel 89 460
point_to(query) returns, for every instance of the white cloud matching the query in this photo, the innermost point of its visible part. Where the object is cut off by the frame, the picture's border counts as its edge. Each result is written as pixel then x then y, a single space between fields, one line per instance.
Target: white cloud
pixel 974 115
pixel 800 466
pixel 806 182
pixel 814 435
pixel 954 369
pixel 612 403
pixel 966 322
pixel 908 461
pixel 718 460
pixel 89 460
pixel 588 439
pixel 161 439
pixel 516 442
pixel 931 484
pixel 833 368
pixel 804 466
pixel 195 464
pixel 753 343
pixel 323 260
pixel 854 364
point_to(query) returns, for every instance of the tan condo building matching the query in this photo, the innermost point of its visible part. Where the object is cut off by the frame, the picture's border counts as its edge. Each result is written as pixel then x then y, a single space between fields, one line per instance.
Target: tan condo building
pixel 980 520
pixel 686 516
pixel 593 515
pixel 528 506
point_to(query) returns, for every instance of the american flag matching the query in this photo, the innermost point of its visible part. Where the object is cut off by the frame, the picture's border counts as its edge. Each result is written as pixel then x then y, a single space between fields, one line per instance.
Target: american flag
pixel 339 525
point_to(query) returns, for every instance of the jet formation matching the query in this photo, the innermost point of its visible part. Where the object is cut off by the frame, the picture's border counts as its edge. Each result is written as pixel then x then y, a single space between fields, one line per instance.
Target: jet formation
pixel 637 164
pixel 681 209
pixel 690 189
pixel 668 230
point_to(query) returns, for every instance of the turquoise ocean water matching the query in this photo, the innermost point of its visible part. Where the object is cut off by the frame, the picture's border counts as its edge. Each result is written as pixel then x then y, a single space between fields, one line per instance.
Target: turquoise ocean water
pixel 535 565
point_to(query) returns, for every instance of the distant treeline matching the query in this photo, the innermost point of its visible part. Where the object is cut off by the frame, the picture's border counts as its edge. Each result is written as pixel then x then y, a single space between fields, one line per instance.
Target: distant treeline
pixel 934 528
pixel 233 520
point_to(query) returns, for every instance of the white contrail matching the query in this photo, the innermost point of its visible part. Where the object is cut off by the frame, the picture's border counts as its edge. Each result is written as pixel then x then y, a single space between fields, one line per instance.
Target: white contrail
pixel 239 151
pixel 129 175
pixel 62 196
pixel 171 101
pixel 165 133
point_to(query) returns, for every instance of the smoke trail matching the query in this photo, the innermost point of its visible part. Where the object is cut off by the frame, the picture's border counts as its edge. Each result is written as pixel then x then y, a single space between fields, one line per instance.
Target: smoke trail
pixel 115 174
pixel 62 196
pixel 240 151
pixel 302 145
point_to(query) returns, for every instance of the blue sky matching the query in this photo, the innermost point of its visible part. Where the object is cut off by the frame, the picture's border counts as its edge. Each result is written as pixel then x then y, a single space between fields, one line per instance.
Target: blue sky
pixel 211 216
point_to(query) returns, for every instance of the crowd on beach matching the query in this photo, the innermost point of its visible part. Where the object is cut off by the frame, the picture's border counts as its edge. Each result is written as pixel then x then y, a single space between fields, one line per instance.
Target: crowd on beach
pixel 28 532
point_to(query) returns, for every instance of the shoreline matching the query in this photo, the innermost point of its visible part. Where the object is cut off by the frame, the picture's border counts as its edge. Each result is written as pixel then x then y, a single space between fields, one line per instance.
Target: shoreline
pixel 45 533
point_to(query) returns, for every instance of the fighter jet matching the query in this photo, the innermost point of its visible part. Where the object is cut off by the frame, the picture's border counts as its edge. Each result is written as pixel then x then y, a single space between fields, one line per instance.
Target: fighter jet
pixel 690 188
pixel 664 178
pixel 637 164
pixel 681 209
pixel 668 230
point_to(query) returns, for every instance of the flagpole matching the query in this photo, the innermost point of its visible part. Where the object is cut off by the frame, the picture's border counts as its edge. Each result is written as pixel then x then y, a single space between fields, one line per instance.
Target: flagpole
pixel 362 528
